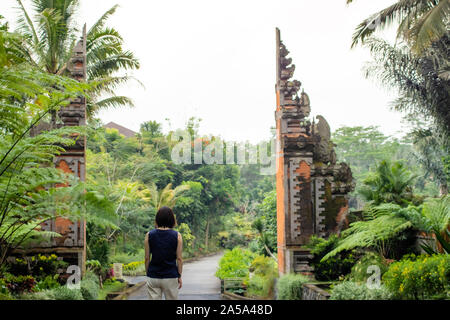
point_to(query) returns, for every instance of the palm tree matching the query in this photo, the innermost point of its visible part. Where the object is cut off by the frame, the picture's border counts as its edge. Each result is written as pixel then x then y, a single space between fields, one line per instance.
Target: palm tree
pixel 423 83
pixel 50 36
pixel 433 154
pixel 421 22
pixel 423 86
pixel 166 196
pixel 390 183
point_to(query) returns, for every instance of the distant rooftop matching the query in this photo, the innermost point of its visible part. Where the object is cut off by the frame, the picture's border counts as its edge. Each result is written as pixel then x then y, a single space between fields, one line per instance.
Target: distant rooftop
pixel 128 133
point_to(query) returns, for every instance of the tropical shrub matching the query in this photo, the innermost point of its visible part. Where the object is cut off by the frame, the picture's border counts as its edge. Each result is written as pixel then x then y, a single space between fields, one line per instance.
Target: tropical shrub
pixel 349 290
pixel 99 249
pixel 290 286
pixel 3 288
pixel 264 271
pixel 235 263
pixel 39 266
pixel 93 266
pixel 335 267
pixel 383 226
pixel 433 218
pixel 49 282
pixel 232 238
pixel 19 266
pixel 419 277
pixel 266 224
pixel 359 270
pixel 188 238
pixel 89 287
pixel 20 284
pixel 389 183
pixel 65 293
pixel 388 225
pixel 43 265
pixel 237 231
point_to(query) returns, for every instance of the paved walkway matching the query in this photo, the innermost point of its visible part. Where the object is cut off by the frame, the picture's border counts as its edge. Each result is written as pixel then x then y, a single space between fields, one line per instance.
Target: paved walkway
pixel 199 281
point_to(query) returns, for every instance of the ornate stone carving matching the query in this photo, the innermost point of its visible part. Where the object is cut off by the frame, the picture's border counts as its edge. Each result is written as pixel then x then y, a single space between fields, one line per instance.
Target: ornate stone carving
pixel 312 189
pixel 72 242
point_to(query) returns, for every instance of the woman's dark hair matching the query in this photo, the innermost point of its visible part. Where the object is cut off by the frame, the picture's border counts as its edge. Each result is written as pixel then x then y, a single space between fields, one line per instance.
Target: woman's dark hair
pixel 165 218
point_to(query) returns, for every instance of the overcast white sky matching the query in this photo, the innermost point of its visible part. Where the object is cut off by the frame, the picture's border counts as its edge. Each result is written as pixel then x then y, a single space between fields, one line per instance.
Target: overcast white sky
pixel 216 60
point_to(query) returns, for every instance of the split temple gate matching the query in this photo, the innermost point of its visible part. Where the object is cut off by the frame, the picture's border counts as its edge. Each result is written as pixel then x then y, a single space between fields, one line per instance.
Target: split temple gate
pixel 311 187
pixel 71 245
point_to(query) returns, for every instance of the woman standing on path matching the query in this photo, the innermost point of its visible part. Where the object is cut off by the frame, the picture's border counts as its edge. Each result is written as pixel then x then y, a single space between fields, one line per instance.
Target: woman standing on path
pixel 165 246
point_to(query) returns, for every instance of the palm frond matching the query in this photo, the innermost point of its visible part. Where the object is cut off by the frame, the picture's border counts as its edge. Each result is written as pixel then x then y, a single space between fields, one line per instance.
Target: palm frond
pixel 100 23
pixel 430 27
pixel 386 17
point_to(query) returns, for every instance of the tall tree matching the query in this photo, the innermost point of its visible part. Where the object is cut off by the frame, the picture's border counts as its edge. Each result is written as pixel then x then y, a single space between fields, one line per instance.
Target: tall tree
pixel 423 84
pixel 433 154
pixel 423 87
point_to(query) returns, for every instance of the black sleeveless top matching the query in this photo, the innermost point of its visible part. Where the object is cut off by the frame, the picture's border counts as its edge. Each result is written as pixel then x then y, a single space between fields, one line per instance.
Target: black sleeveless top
pixel 163 248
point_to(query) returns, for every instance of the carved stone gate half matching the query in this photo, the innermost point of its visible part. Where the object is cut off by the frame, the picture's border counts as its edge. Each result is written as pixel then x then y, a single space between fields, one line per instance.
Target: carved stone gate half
pixel 311 188
pixel 72 244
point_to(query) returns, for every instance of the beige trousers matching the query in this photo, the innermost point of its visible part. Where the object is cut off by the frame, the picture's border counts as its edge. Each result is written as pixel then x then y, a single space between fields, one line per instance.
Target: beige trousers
pixel 157 287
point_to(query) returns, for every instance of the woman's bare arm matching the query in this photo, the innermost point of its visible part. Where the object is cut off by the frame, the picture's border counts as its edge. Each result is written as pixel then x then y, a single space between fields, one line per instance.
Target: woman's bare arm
pixel 147 252
pixel 180 259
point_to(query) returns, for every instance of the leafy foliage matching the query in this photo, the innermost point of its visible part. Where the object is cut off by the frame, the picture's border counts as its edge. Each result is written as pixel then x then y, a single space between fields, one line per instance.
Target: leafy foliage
pixel 421 277
pixel 389 183
pixel 188 238
pixel 332 268
pixel 359 272
pixel 238 231
pixel 65 293
pixel 89 287
pixel 235 263
pixel 48 283
pixel 349 290
pixel 20 284
pixel 265 224
pixel 290 286
pixel 385 222
pixel 262 281
pixel 380 227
